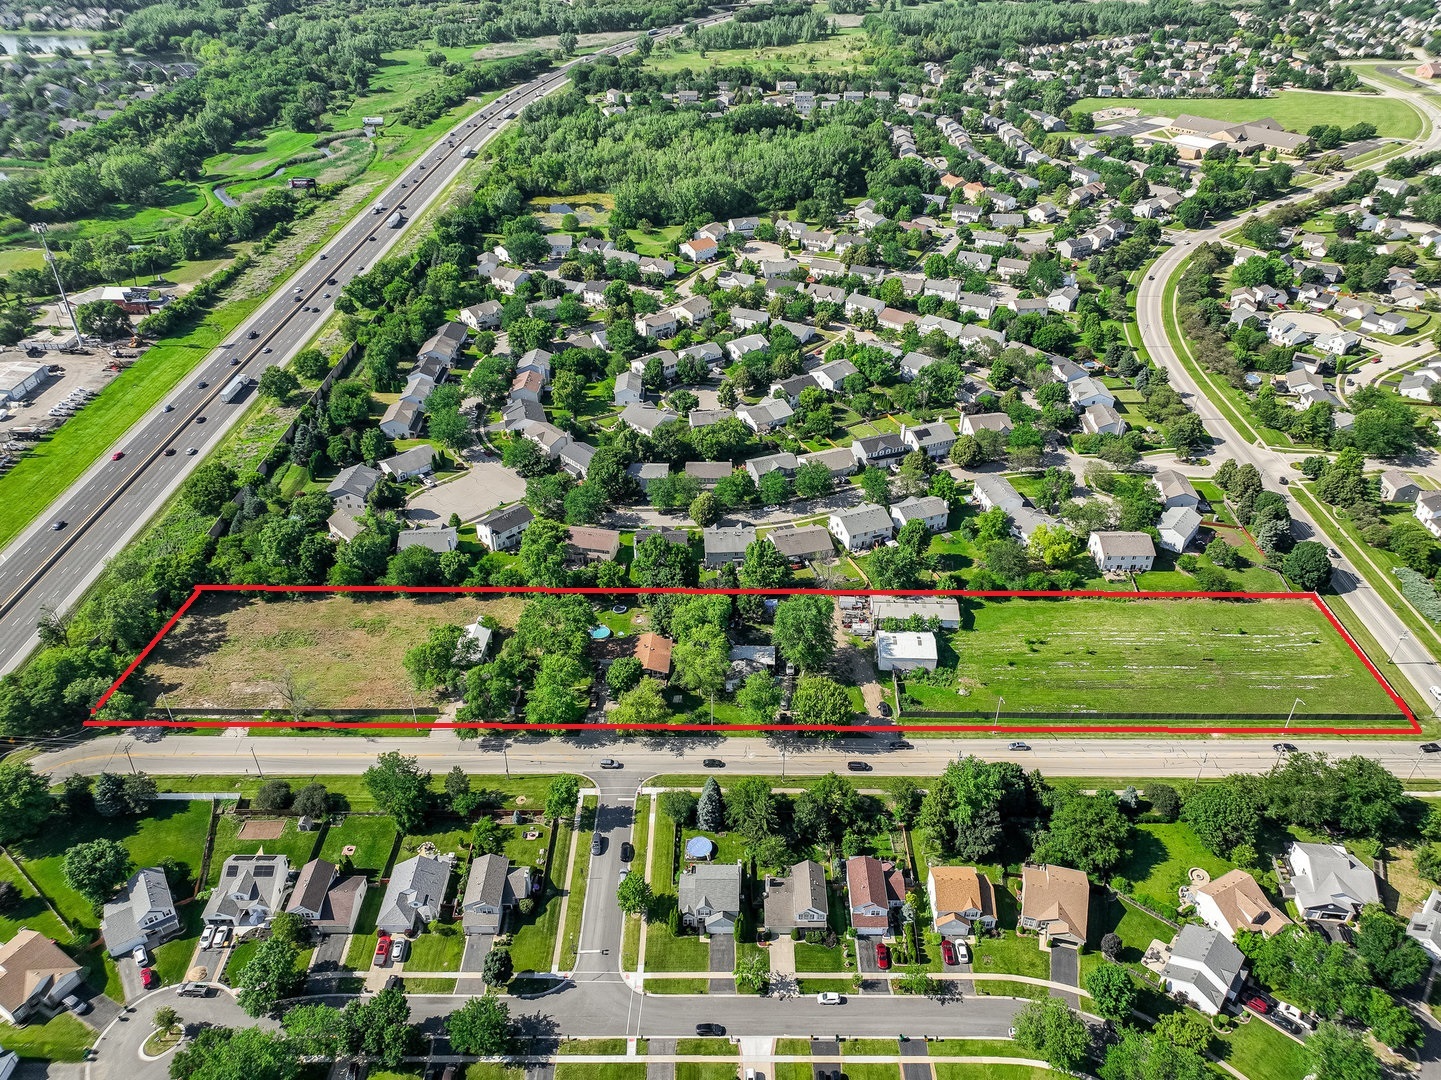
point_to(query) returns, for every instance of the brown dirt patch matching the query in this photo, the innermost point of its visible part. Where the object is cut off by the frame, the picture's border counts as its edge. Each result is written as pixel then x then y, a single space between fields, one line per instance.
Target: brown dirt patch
pixel 336 652
pixel 254 829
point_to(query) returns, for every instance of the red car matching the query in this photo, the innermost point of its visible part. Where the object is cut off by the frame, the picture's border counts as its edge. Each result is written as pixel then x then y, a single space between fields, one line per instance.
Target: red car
pixel 883 957
pixel 1259 1004
pixel 148 978
pixel 117 455
pixel 382 949
pixel 948 951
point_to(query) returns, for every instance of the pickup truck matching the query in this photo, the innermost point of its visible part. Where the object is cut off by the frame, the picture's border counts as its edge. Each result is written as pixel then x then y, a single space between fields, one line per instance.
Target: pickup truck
pixel 382 950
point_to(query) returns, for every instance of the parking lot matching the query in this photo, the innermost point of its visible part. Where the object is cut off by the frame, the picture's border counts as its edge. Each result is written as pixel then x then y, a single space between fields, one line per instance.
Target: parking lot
pixel 486 485
pixel 82 372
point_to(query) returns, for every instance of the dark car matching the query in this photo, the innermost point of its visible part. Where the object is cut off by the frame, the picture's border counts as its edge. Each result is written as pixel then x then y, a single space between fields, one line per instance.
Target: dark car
pixel 713 763
pixel 714 1030
pixel 254 334
pixel 627 852
pixel 56 526
pixel 1284 747
pixel 858 766
pixel 901 744
pixel 330 281
pixel 1426 747
pixel 202 384
pixel 235 361
pixel 200 419
pixel 170 451
pixel 883 709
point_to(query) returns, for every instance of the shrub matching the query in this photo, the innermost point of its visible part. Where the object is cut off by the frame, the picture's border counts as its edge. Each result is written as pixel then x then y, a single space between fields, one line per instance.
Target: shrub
pixel 1420 592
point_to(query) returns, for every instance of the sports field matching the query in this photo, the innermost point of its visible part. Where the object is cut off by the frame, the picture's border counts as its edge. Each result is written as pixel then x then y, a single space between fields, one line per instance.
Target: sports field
pixel 1067 659
pixel 1295 110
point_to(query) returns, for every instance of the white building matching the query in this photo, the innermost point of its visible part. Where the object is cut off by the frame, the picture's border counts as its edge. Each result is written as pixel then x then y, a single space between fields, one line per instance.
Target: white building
pixel 1121 552
pixel 861 527
pixel 905 651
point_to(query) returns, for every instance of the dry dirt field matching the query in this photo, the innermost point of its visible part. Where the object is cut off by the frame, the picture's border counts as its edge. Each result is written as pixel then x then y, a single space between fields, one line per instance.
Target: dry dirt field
pixel 232 651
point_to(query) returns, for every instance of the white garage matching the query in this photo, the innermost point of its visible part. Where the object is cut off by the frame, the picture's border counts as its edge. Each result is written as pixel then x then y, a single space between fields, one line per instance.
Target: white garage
pixel 18 380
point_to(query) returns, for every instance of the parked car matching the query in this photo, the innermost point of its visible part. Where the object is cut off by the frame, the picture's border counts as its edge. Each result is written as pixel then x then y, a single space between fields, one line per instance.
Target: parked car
pixel 828 998
pixel 382 949
pixel 149 979
pixel 883 956
pixel 206 936
pixel 1258 1004
pixel 713 1030
pixel 597 845
pixel 883 709
pixel 627 853
pixel 397 949
pixel 948 951
pixel 75 1004
pixel 139 955
pixel 222 937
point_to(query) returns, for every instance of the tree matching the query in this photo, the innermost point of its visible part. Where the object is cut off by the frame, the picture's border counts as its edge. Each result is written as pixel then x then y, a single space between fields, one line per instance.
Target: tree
pixel 210 487
pixel 96 868
pixel 1165 803
pixel 1223 815
pixel 102 319
pixel 1111 946
pixel 269 976
pixel 633 895
pixel 752 973
pixel 1185 1028
pixel 1308 565
pixel 1397 962
pixel 821 702
pixel 561 796
pixel 399 788
pixel 498 968
pixel 760 696
pixel 288 926
pixel 1141 1055
pixel 875 485
pixel 382 1025
pixel 803 630
pixel 1337 1053
pixel 751 809
pixel 1088 832
pixel 317 1030
pixel 679 806
pixel 480 1028
pixel 220 1053
pixel 644 703
pixel 313 800
pixel 278 383
pixel 624 673
pixel 710 815
pixel 1051 1030
pixel 1112 992
pixel 274 797
pixel 25 801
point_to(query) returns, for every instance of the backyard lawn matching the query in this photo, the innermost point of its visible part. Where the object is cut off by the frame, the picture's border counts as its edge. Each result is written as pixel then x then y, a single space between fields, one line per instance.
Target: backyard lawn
pixel 1074 658
pixel 1161 858
pixel 296 845
pixel 372 837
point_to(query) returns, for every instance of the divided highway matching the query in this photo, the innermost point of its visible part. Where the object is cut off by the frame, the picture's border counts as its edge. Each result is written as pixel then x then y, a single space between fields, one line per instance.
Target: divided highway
pixel 49 567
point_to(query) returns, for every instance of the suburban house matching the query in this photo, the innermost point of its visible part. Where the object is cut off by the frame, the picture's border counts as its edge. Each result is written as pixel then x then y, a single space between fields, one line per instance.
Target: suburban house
pixel 352 486
pixel 1425 925
pixel 709 473
pixel 905 650
pixel 1178 527
pixel 1205 968
pixel 414 894
pixel 482 316
pixel 1088 391
pixel 402 419
pixel 1327 882
pixel 1102 420
pixel 1055 902
pixel 1428 510
pixel 328 902
pixel 492 888
pixel 701 249
pixel 1175 489
pixel 1396 486
pixel 588 545
pixel 445 344
pixel 1234 901
pixel 928 509
pixel 500 530
pixel 653 652
pixel 726 544
pixel 802 544
pixel 250 891
pixel 764 415
pixel 646 418
pixel 710 897
pixel 142 913
pixel 961 900
pixel 861 527
pixel 935 439
pixel 797 901
pixel 35 974
pixel 1121 552
pixel 629 389
pixel 408 464
pixel 879 450
pixel 975 422
pixel 874 888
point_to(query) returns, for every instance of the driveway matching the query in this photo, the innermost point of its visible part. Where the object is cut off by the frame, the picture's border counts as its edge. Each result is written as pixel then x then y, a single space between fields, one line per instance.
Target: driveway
pixel 723 959
pixel 129 978
pixel 660 1070
pixel 825 1056
pixel 916 1070
pixel 329 959
pixel 867 964
pixel 1066 968
pixel 477 948
pixel 486 485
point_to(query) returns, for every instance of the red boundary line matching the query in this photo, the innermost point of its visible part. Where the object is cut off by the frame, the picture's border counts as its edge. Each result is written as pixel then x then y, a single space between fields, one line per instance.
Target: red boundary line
pixel 1055 594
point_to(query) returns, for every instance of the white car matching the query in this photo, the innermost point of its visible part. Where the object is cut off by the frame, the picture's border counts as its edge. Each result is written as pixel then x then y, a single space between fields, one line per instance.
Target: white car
pixel 828 998
pixel 222 936
pixel 1435 692
pixel 206 936
pixel 140 956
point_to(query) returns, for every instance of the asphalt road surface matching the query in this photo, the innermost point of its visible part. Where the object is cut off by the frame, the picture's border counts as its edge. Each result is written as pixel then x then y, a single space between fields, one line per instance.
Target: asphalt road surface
pixel 49 568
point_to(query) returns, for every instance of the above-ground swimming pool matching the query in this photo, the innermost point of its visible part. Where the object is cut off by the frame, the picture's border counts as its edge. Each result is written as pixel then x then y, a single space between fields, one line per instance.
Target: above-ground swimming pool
pixel 600 633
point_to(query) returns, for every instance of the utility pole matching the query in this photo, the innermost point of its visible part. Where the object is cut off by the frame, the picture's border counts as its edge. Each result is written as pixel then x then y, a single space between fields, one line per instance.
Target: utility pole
pixel 1292 713
pixel 40 229
pixel 258 770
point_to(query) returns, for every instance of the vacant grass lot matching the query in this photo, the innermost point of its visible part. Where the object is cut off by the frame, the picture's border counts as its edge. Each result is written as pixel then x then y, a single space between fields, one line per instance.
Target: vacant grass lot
pixel 1071 658
pixel 845 51
pixel 1295 110
pixel 232 651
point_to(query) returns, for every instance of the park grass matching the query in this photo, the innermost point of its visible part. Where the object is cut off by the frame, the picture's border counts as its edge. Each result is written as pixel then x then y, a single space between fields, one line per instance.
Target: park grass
pixel 846 51
pixel 1215 657
pixel 1295 110
pixel 292 843
pixel 62 1038
pixel 373 838
pixel 170 830
pixel 56 462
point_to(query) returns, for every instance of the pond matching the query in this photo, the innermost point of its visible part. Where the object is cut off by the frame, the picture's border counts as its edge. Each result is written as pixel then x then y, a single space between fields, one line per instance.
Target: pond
pixel 43 44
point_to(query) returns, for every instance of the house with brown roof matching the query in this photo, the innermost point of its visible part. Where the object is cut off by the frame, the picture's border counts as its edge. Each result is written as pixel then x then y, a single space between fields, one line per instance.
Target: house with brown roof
pixel 1234 901
pixel 874 888
pixel 591 545
pixel 962 901
pixel 35 975
pixel 327 901
pixel 653 652
pixel 797 901
pixel 1055 902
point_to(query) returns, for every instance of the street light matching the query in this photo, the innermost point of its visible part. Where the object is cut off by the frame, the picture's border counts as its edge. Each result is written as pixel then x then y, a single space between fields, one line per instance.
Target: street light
pixel 1292 713
pixel 39 228
pixel 1404 635
pixel 996 722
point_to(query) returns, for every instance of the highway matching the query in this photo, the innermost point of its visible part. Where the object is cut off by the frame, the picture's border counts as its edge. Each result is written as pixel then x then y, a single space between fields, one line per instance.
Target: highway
pixel 49 568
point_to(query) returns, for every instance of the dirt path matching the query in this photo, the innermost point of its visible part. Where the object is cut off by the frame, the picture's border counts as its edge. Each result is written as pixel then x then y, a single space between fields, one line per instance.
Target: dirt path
pixel 854 666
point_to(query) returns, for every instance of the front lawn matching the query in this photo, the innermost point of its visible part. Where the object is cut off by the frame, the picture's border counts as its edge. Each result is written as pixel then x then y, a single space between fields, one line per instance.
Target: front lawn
pixel 1010 954
pixel 816 958
pixel 62 1038
pixel 433 951
pixel 1263 1053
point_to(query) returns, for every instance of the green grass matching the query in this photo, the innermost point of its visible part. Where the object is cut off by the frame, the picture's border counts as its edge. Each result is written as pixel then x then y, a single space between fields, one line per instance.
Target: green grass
pixel 592 1046
pixel 844 51
pixel 1010 954
pixel 974 1048
pixel 705 1070
pixel 702 1047
pixel 818 958
pixel 534 944
pixel 640 834
pixel 437 952
pixel 575 902
pixel 607 1070
pixel 868 1047
pixel 665 952
pixel 873 1070
pixel 293 843
pixel 63 1038
pixel 30 911
pixel 963 1071
pixel 488 1070
pixel 1226 658
pixel 1295 110
pixel 1160 858
pixel 1262 1053
pixel 372 837
pixel 428 986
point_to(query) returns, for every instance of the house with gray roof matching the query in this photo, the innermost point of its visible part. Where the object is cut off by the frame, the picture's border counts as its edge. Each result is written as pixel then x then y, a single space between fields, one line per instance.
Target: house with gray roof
pixel 726 544
pixel 492 888
pixel 930 509
pixel 1327 882
pixel 408 464
pixel 501 529
pixel 142 913
pixel 1204 968
pixel 439 540
pixel 646 418
pixel 328 902
pixel 839 460
pixel 250 891
pixel 861 527
pixel 802 544
pixel 1425 926
pixel 710 897
pixel 798 901
pixel 414 894
pixel 352 486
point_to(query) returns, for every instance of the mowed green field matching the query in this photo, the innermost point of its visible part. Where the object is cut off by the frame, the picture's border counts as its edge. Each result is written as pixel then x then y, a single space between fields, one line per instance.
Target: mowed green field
pixel 1295 110
pixel 1069 658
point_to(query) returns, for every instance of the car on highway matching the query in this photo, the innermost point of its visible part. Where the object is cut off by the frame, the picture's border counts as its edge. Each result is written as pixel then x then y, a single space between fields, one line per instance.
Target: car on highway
pixel 1284 747
pixel 56 526
pixel 1434 691
pixel 170 451
pixel 117 455
pixel 712 1030
pixel 235 361
pixel 201 385
pixel 149 979
pixel 713 763
pixel 330 281
pixel 254 334
pixel 1431 748
pixel 190 452
pixel 168 408
pixel 883 956
pixel 1333 553
pixel 206 936
pixel 609 763
pixel 1018 746
pixel 830 997
pixel 200 419
pixel 858 766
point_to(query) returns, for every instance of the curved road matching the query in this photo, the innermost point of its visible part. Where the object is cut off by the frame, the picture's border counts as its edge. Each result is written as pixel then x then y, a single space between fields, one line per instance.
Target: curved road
pixel 49 568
